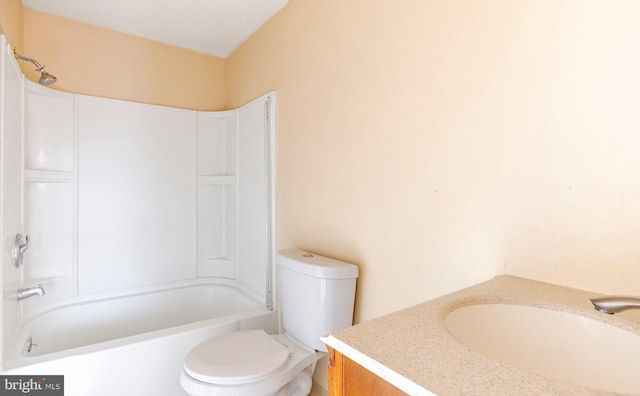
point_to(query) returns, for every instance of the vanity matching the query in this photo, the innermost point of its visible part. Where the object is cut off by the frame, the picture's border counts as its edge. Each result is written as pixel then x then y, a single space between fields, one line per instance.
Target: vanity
pixel 512 336
pixel 347 377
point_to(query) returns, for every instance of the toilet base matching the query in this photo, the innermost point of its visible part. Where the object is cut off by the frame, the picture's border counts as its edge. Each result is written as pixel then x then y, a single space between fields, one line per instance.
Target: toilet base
pixel 300 385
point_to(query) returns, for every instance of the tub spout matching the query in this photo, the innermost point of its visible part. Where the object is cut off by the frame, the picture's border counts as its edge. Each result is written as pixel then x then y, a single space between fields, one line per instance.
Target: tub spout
pixel 30 292
pixel 615 304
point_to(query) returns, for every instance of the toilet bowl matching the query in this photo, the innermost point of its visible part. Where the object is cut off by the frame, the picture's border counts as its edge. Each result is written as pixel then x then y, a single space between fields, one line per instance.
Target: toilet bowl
pixel 317 298
pixel 250 363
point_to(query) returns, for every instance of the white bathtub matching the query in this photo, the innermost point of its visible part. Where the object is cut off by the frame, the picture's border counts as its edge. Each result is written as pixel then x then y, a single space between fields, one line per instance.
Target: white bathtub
pixel 132 344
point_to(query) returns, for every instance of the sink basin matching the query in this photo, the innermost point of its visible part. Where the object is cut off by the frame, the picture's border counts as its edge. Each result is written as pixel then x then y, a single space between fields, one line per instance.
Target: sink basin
pixel 557 345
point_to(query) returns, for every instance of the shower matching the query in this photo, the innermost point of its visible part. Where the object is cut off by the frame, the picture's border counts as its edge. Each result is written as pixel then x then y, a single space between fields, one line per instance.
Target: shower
pixel 45 78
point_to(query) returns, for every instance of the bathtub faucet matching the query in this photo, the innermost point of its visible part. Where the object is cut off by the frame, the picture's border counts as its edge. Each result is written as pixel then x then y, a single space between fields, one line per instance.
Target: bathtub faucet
pixel 30 292
pixel 615 304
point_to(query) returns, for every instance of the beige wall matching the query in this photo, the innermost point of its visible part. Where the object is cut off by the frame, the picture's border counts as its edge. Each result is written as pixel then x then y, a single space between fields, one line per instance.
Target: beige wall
pixel 94 61
pixel 439 143
pixel 434 143
pixel 11 22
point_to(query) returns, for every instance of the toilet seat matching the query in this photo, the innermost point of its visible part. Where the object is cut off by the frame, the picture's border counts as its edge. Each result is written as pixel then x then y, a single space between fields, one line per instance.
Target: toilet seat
pixel 236 358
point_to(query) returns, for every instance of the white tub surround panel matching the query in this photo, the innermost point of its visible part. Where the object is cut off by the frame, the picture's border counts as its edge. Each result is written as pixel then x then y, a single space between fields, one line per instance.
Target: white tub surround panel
pixel 217 194
pixel 50 219
pixel 236 201
pixel 50 191
pixel 123 194
pixel 49 122
pixel 136 194
pixel 256 202
pixel 217 246
pixel 11 190
pixel 217 147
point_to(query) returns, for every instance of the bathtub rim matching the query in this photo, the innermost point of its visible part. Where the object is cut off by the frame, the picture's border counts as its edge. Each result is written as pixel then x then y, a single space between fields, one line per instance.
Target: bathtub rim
pixel 133 291
pixel 16 358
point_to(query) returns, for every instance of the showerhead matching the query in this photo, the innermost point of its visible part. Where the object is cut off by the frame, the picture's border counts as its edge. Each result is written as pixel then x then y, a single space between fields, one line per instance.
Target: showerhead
pixel 45 78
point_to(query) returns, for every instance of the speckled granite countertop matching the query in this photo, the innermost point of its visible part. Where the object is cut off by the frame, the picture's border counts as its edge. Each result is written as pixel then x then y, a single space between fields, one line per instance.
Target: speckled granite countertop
pixel 413 350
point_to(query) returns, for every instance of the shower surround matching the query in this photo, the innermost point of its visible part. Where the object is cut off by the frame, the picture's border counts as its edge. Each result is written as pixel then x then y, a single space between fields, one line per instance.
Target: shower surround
pixel 120 198
pixel 121 194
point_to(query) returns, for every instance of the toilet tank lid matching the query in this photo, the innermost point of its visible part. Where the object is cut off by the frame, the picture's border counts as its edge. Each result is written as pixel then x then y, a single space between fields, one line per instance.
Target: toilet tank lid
pixel 316 265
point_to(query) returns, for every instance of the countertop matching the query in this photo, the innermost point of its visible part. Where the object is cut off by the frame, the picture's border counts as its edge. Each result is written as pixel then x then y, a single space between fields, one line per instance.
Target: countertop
pixel 413 350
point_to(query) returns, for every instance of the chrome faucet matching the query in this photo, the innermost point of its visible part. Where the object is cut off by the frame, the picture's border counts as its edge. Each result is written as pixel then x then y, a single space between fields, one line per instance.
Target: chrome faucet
pixel 615 304
pixel 30 344
pixel 30 292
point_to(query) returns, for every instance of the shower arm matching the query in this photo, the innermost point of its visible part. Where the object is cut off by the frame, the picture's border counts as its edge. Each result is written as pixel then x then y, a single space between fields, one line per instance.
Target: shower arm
pixel 39 67
pixel 46 78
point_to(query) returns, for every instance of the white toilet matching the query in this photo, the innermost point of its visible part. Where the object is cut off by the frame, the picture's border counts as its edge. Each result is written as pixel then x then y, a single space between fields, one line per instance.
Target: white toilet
pixel 317 297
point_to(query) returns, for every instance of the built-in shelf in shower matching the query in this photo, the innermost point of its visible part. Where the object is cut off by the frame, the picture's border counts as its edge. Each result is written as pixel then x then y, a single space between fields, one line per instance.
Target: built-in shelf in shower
pixel 45 176
pixel 216 179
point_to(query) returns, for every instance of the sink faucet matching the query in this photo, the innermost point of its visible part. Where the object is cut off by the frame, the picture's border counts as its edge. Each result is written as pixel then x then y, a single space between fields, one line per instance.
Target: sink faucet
pixel 615 304
pixel 30 292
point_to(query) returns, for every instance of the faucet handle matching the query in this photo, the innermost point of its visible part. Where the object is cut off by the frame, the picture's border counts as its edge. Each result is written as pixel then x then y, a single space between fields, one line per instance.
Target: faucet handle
pixel 24 246
pixel 20 246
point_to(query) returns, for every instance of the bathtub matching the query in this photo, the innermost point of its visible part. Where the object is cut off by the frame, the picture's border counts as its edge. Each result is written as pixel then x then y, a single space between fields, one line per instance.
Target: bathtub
pixel 133 343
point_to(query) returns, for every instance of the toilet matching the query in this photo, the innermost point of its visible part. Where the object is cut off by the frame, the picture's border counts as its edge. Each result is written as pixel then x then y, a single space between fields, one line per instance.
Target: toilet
pixel 317 296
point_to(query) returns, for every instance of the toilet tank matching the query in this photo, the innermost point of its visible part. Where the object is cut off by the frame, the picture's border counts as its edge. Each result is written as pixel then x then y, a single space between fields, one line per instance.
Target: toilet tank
pixel 317 295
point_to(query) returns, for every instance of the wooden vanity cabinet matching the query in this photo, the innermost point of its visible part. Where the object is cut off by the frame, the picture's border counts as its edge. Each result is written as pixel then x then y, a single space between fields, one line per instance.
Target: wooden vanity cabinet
pixel 348 378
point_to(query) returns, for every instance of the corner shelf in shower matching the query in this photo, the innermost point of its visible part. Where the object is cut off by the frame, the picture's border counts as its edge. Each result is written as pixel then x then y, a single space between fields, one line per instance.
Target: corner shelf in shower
pixel 31 175
pixel 216 179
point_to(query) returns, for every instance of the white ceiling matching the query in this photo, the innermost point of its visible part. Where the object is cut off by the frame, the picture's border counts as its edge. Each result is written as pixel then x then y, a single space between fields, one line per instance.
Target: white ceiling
pixel 215 27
